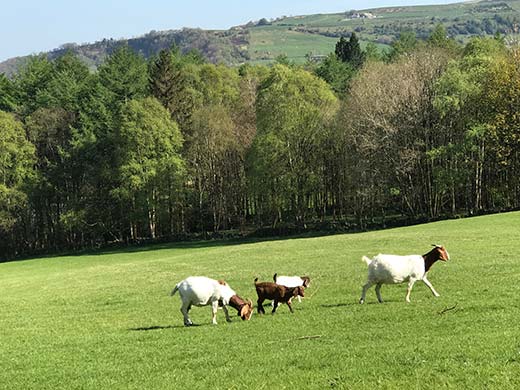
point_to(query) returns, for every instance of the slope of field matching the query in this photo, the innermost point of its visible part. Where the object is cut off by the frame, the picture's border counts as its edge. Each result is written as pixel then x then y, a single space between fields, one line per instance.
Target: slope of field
pixel 105 320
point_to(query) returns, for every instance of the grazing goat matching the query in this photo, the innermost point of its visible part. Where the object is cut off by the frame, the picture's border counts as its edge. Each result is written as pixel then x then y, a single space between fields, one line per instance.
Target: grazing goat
pixel 202 291
pixel 391 269
pixel 276 292
pixel 292 281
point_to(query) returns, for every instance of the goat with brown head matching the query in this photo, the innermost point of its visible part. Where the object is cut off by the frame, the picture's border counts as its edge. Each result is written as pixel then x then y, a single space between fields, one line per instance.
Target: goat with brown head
pixel 277 293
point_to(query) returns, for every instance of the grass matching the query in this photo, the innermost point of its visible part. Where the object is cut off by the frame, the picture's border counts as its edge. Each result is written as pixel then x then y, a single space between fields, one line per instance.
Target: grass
pixel 105 320
pixel 269 42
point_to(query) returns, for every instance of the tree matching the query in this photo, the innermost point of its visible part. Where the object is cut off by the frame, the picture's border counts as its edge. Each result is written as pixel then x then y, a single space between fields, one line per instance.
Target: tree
pixel 8 100
pixel 336 73
pixel 16 169
pixel 65 85
pixel 465 113
pixel 394 118
pixel 502 96
pixel 439 38
pixel 293 110
pixel 31 80
pixel 212 149
pixel 150 166
pixel 124 75
pixel 406 43
pixel 350 51
pixel 171 83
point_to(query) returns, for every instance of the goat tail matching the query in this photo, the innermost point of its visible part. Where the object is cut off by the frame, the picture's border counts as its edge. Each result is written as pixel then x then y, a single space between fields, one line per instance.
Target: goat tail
pixel 256 280
pixel 366 260
pixel 274 277
pixel 174 291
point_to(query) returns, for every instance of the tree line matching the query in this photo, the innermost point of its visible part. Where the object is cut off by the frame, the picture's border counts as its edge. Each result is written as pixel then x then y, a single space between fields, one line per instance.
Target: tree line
pixel 175 147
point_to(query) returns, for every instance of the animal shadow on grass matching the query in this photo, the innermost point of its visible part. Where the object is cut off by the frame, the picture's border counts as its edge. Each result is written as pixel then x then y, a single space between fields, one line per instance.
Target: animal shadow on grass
pixel 157 327
pixel 332 305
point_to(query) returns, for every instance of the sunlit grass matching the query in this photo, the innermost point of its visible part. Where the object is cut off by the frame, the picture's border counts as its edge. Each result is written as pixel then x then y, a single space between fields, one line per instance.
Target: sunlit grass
pixel 105 320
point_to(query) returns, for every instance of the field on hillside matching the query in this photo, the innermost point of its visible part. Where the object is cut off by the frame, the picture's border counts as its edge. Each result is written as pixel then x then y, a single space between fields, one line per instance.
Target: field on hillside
pixel 105 320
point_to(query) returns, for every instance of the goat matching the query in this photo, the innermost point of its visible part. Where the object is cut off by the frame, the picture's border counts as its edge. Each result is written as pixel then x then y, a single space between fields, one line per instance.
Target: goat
pixel 203 291
pixel 276 292
pixel 292 281
pixel 391 269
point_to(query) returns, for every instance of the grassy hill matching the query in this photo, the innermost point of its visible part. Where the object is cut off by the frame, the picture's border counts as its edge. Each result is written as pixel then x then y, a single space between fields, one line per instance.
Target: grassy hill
pixel 105 320
pixel 298 36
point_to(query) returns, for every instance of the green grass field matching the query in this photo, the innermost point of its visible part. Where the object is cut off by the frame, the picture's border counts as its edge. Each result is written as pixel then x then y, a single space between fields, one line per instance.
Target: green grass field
pixel 105 320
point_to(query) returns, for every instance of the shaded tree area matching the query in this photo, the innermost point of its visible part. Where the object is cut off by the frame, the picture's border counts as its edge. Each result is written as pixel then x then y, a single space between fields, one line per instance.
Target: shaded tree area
pixel 174 147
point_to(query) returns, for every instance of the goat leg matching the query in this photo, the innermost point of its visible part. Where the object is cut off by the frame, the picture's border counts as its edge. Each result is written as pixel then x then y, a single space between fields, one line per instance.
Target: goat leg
pixel 260 306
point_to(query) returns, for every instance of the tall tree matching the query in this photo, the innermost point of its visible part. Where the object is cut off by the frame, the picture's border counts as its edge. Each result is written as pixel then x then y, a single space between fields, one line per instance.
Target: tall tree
pixel 211 147
pixel 171 81
pixel 406 43
pixel 350 51
pixel 293 110
pixel 337 73
pixel 124 75
pixel 150 166
pixel 392 107
pixel 31 80
pixel 8 100
pixel 16 168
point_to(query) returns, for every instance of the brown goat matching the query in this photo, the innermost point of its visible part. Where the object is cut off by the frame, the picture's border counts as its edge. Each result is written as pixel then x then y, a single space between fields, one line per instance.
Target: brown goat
pixel 277 293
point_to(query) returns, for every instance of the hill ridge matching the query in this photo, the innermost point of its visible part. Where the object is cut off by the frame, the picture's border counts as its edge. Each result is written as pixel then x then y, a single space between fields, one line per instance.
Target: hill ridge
pixel 300 35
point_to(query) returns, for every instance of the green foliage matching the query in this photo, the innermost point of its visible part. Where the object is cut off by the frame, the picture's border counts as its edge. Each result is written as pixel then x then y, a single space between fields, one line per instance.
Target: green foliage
pixel 16 169
pixel 149 143
pixel 32 79
pixel 293 108
pixel 406 43
pixel 8 100
pixel 429 134
pixel 66 84
pixel 124 75
pixel 439 38
pixel 172 80
pixel 350 51
pixel 336 73
pixel 150 166
pixel 283 59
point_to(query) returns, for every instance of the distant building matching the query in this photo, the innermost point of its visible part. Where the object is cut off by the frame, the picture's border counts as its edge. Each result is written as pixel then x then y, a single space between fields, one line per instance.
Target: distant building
pixel 359 15
pixel 317 57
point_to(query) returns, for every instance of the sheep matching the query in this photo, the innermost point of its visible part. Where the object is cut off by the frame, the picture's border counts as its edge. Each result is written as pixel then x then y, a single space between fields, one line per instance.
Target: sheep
pixel 276 292
pixel 203 291
pixel 391 269
pixel 292 281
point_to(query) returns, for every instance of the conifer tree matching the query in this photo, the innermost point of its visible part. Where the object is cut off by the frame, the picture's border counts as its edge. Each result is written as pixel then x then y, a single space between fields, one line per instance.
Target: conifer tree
pixel 350 51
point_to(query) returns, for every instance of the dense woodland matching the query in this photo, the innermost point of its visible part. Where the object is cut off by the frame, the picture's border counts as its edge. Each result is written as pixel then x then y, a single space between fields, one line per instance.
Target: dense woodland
pixel 174 147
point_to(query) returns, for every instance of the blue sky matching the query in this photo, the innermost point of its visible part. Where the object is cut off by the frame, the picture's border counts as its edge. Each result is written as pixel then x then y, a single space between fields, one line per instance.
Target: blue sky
pixel 32 26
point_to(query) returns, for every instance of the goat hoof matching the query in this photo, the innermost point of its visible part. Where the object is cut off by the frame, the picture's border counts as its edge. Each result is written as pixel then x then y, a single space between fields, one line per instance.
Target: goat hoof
pixel 361 301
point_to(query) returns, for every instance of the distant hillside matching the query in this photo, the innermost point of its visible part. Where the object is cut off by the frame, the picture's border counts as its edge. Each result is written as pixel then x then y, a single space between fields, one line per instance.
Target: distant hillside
pixel 317 34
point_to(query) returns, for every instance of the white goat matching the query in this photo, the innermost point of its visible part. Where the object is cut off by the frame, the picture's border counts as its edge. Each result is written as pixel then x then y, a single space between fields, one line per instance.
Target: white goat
pixel 391 269
pixel 292 281
pixel 203 291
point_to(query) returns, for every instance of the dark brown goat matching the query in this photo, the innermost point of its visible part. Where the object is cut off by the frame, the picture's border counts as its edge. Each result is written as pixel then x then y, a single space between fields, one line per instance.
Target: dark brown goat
pixel 277 293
